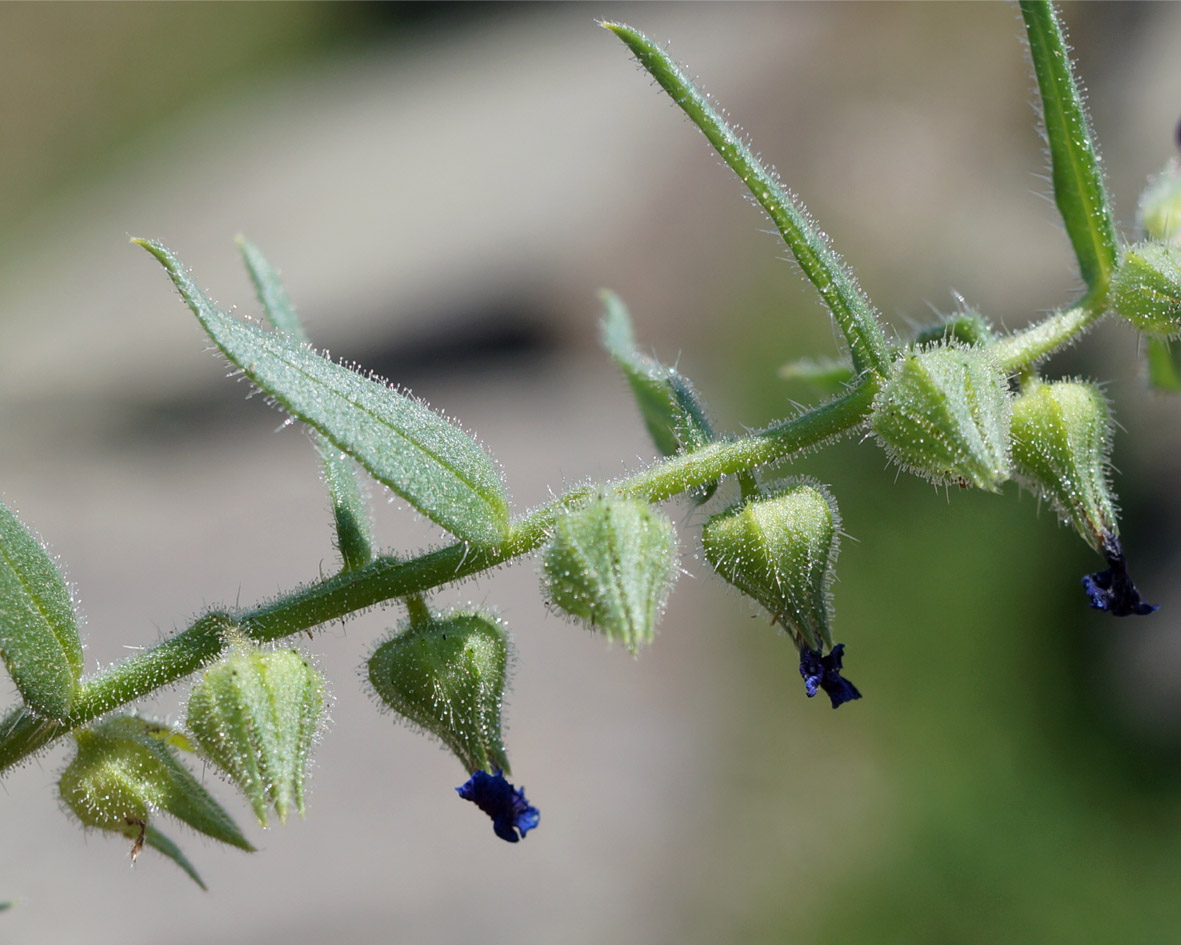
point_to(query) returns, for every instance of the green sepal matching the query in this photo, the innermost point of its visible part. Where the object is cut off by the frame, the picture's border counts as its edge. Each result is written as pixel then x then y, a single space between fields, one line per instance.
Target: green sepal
pixel 611 564
pixel 1147 289
pixel 1163 365
pixel 446 675
pixel 965 327
pixel 671 408
pixel 943 413
pixel 39 639
pixel 349 512
pixel 162 844
pixel 781 550
pixel 826 375
pixel 1159 212
pixel 256 716
pixel 1061 442
pixel 126 769
pixel 427 460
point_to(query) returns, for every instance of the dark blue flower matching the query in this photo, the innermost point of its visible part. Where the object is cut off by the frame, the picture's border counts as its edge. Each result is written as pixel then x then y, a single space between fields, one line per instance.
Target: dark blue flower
pixel 508 807
pixel 1112 590
pixel 824 672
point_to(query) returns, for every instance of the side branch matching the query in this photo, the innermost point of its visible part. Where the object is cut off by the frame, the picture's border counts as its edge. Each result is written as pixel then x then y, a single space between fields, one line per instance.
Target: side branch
pixel 387 578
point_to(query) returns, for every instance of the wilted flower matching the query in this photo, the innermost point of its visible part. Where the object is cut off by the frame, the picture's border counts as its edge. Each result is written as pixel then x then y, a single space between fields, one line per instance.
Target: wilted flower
pixel 1112 590
pixel 824 672
pixel 508 807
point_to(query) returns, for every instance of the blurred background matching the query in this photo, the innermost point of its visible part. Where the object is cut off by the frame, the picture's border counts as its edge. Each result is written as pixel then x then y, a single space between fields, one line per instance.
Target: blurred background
pixel 445 188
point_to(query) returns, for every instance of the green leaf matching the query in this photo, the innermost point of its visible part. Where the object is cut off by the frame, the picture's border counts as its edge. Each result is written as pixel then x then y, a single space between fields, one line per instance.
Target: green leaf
pixel 38 631
pixel 1164 369
pixel 827 375
pixel 1079 190
pixel 349 512
pixel 161 844
pixel 849 305
pixel 268 287
pixel 354 539
pixel 428 461
pixel 671 407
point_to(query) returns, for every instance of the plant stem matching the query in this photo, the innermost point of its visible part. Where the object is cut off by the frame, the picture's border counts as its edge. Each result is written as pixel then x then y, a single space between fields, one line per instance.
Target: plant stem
pixel 1020 350
pixel 386 578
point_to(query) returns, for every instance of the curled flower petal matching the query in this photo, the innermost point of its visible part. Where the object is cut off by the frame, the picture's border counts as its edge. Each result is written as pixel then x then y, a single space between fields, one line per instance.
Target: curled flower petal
pixel 1112 589
pixel 824 672
pixel 508 807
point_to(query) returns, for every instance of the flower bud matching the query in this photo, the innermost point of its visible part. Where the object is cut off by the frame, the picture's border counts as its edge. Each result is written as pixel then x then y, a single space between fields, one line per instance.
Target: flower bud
pixel 447 675
pixel 1146 289
pixel 1061 435
pixel 611 564
pixel 1159 214
pixel 255 715
pixel 126 768
pixel 943 413
pixel 1061 442
pixel 966 327
pixel 781 550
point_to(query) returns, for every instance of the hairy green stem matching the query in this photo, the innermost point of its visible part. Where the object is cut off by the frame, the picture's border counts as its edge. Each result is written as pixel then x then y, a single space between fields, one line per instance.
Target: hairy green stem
pixel 850 307
pixel 387 578
pixel 1023 349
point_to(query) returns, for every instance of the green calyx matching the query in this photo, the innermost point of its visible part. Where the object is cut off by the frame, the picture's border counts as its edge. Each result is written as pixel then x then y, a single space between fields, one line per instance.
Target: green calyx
pixel 965 327
pixel 611 565
pixel 127 768
pixel 256 716
pixel 943 413
pixel 446 674
pixel 1159 214
pixel 1147 289
pixel 781 550
pixel 1061 443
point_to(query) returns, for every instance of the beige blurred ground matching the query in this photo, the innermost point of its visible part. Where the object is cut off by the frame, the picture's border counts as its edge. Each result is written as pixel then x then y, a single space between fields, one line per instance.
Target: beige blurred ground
pixel 525 162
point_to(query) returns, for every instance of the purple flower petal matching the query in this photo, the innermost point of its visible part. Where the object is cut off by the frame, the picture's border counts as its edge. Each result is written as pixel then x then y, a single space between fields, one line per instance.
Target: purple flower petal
pixel 1112 589
pixel 508 807
pixel 824 672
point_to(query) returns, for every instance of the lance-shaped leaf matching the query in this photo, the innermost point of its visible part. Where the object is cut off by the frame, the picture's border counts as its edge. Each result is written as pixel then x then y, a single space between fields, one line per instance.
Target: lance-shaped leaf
pixel 353 534
pixel 850 307
pixel 38 630
pixel 671 408
pixel 827 375
pixel 427 460
pixel 1079 190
